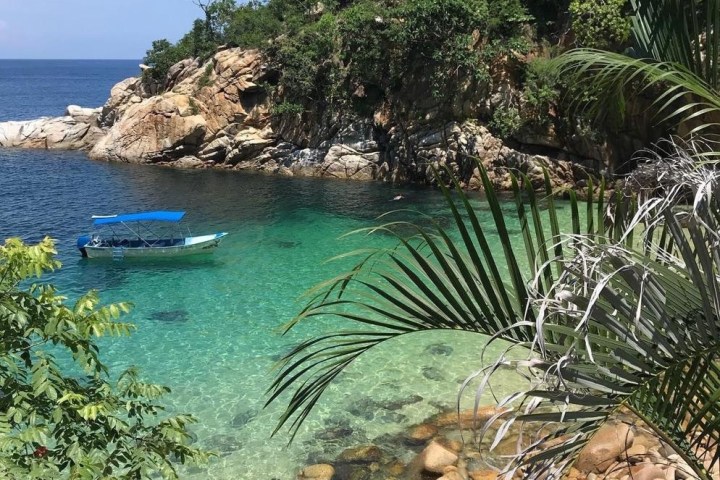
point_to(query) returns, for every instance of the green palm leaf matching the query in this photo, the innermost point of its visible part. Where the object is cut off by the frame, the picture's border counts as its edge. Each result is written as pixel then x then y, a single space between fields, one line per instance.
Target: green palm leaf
pixel 645 336
pixel 675 61
pixel 679 95
pixel 434 280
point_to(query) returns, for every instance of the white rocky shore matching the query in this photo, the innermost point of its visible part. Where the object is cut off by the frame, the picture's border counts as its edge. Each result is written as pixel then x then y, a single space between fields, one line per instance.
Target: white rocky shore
pixel 78 129
pixel 217 115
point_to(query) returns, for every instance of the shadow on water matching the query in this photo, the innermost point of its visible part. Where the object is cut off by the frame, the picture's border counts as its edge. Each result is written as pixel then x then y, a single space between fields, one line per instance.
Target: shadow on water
pixel 153 264
pixel 170 316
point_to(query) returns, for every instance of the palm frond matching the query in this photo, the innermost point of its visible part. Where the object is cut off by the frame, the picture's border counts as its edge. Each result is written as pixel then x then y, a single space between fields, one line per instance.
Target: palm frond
pixel 435 280
pixel 684 32
pixel 677 93
pixel 641 331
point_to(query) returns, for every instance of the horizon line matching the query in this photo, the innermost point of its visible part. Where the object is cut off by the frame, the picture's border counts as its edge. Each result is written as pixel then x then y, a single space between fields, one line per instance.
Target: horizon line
pixel 45 59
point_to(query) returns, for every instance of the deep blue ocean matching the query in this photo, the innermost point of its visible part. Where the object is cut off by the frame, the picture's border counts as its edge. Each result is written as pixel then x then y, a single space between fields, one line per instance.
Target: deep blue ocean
pixel 36 88
pixel 209 327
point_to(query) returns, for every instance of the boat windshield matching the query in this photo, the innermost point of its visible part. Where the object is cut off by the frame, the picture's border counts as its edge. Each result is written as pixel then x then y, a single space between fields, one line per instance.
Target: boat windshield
pixel 139 234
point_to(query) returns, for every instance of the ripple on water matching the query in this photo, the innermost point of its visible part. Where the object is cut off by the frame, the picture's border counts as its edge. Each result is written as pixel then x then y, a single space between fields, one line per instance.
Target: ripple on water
pixel 210 328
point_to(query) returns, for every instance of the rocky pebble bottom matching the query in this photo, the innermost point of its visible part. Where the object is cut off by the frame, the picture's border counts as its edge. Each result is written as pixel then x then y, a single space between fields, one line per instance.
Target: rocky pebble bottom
pixel 444 448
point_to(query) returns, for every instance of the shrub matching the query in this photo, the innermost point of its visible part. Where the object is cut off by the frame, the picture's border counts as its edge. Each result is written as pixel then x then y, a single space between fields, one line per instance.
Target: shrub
pixel 287 108
pixel 161 57
pixel 204 80
pixel 541 91
pixel 253 25
pixel 506 121
pixel 73 422
pixel 602 24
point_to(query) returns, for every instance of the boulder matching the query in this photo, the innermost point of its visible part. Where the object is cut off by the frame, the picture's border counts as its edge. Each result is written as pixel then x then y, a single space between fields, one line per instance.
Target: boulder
pixel 483 475
pixel 248 144
pixel 160 128
pixel 344 162
pixel 436 457
pixel 466 418
pixel 319 471
pixel 190 162
pixel 83 115
pixel 420 434
pixel 361 454
pixel 604 448
pixel 647 471
pixel 123 95
pixel 49 133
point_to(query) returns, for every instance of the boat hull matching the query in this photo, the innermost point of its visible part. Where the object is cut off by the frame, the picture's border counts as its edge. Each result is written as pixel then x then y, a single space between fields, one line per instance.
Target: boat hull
pixel 191 246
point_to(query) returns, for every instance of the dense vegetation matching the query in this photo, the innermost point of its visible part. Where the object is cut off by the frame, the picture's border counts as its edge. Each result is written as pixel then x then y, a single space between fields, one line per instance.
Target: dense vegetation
pixel 61 415
pixel 620 313
pixel 358 55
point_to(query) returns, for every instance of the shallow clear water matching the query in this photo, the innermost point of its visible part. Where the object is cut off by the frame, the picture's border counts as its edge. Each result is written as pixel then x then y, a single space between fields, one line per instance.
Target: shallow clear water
pixel 208 327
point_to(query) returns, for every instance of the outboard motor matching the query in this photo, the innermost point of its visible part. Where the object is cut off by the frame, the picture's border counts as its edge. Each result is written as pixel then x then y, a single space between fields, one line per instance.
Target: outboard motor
pixel 81 242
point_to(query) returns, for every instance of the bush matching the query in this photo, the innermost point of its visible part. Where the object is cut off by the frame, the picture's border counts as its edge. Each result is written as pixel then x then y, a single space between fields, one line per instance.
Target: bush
pixel 602 24
pixel 74 422
pixel 506 122
pixel 161 57
pixel 307 62
pixel 541 91
pixel 204 80
pixel 287 108
pixel 253 25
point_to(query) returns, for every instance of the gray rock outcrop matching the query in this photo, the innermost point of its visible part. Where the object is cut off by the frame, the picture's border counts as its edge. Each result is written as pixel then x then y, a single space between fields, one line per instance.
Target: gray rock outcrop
pixel 77 130
pixel 218 115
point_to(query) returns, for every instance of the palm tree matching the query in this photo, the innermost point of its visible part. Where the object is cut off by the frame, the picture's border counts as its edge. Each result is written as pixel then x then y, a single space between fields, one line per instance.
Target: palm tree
pixel 611 320
pixel 675 58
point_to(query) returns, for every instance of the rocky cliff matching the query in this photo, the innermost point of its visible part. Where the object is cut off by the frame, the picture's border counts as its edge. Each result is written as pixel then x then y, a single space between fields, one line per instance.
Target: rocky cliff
pixel 218 115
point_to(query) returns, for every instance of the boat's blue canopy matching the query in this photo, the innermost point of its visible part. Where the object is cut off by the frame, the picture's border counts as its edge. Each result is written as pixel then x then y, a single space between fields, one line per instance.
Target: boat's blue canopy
pixel 158 216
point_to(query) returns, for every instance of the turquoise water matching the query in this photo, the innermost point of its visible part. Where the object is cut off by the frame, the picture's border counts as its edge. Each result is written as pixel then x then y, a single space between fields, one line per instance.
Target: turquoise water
pixel 208 327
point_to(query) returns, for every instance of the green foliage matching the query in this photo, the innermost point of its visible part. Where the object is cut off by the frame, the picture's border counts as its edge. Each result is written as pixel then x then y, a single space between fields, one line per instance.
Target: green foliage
pixel 506 121
pixel 253 25
pixel 287 108
pixel 439 44
pixel 307 61
pixel 600 23
pixel 162 56
pixel 60 422
pixel 541 91
pixel 194 107
pixel 679 73
pixel 621 311
pixel 204 80
pixel 365 51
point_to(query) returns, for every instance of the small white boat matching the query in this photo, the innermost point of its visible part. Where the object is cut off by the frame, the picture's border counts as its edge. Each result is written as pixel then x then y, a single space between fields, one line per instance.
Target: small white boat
pixel 136 235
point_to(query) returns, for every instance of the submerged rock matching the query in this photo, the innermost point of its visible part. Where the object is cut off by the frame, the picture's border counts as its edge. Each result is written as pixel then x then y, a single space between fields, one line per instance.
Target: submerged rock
pixel 401 402
pixel 223 444
pixel 243 418
pixel 439 349
pixel 317 472
pixel 170 316
pixel 432 373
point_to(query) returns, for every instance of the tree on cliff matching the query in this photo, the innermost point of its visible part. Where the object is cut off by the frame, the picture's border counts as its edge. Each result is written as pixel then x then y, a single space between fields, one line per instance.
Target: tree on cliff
pixel 610 316
pixel 60 415
pixel 675 60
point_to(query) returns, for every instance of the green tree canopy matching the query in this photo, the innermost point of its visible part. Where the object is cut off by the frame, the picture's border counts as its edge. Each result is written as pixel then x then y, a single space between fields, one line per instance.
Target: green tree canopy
pixel 61 416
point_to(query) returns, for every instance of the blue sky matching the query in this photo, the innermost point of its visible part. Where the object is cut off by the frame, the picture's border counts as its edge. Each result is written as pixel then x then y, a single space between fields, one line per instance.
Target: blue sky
pixel 96 29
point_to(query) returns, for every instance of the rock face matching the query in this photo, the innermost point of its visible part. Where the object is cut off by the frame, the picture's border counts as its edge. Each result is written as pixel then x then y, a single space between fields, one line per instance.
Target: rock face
pixel 160 128
pixel 218 115
pixel 77 130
